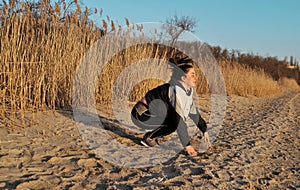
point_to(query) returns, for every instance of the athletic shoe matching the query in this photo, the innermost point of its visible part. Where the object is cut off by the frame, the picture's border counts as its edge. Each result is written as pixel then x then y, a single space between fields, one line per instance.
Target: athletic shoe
pixel 147 141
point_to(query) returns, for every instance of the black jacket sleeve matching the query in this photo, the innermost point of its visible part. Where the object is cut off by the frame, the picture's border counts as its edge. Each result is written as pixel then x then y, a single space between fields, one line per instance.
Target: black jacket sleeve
pixel 199 121
pixel 183 133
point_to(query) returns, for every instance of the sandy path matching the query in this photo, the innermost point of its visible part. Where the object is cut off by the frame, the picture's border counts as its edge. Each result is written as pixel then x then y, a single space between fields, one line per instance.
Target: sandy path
pixel 258 148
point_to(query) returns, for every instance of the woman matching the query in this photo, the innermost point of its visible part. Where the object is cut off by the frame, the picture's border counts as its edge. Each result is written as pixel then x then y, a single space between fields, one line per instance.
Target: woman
pixel 165 108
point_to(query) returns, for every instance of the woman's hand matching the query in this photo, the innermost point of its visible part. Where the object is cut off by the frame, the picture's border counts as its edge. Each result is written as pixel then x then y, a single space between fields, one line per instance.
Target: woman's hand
pixel 190 150
pixel 206 138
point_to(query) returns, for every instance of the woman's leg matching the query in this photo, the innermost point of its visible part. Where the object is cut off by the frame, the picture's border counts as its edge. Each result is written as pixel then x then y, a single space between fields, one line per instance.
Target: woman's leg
pixel 141 116
pixel 169 126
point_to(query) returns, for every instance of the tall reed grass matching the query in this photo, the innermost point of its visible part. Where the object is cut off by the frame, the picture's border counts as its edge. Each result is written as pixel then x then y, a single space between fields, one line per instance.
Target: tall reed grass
pixel 39 55
pixel 242 80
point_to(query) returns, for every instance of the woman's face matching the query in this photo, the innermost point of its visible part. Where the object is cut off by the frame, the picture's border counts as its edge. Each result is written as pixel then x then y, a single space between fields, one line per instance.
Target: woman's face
pixel 190 78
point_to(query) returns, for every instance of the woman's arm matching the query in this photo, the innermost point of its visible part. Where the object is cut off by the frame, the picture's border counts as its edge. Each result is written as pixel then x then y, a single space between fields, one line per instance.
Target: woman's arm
pixel 182 132
pixel 199 121
pixel 201 124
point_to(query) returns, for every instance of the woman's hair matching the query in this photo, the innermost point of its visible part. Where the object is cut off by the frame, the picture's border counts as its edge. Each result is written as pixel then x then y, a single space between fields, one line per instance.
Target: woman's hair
pixel 181 67
pixel 180 61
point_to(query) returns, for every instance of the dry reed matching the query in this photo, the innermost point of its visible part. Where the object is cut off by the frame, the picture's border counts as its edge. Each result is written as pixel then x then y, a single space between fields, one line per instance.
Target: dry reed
pixel 243 81
pixel 39 55
pixel 289 83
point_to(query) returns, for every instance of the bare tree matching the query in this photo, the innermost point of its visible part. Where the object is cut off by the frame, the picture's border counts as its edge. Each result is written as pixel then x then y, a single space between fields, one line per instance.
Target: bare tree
pixel 177 25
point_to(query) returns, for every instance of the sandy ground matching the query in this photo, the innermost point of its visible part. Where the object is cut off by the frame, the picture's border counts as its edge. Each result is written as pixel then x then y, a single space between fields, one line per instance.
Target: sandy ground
pixel 257 148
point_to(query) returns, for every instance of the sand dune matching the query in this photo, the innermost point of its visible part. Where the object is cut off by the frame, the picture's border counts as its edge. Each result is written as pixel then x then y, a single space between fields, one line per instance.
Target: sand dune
pixel 257 148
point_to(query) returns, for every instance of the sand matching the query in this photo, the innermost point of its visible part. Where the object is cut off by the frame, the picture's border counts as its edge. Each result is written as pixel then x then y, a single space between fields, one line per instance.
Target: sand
pixel 257 148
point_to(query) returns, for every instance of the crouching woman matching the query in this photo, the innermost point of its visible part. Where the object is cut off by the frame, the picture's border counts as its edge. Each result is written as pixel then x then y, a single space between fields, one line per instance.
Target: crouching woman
pixel 165 109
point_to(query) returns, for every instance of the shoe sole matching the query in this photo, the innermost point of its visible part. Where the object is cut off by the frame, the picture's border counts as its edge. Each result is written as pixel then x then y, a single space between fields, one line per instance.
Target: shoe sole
pixel 145 144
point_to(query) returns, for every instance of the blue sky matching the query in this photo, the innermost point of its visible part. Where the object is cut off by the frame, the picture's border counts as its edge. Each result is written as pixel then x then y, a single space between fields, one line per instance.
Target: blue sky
pixel 263 27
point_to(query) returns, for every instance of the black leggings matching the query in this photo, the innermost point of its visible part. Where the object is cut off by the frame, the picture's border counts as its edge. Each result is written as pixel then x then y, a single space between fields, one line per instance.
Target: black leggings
pixel 161 125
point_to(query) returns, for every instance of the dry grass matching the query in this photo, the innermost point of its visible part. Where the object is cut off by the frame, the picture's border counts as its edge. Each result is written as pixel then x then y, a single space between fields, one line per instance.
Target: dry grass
pixel 39 57
pixel 243 81
pixel 289 83
pixel 139 73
